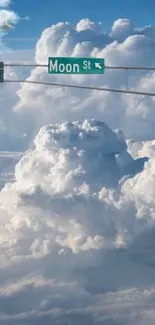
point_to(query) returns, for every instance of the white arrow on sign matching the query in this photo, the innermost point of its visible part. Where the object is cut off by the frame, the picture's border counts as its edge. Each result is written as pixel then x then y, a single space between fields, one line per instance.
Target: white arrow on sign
pixel 97 65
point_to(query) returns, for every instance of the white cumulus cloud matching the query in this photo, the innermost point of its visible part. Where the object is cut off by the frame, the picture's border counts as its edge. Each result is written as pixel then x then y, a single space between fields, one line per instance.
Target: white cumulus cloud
pixel 73 219
pixel 124 45
pixel 73 163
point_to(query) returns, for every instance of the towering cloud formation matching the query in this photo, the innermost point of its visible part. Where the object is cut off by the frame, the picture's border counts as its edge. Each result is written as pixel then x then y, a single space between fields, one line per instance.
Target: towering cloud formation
pixel 66 219
pixel 73 163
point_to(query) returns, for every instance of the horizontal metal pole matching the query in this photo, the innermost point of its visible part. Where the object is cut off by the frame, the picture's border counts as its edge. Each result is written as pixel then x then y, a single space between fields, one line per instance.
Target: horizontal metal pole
pixel 106 67
pixel 25 65
pixel 83 87
pixel 129 68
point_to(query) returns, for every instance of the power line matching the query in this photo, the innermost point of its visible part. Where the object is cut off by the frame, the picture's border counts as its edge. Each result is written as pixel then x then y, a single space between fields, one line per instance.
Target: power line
pixel 82 87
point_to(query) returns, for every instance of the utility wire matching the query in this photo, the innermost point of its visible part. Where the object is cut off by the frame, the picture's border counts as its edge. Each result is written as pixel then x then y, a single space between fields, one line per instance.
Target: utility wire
pixel 82 87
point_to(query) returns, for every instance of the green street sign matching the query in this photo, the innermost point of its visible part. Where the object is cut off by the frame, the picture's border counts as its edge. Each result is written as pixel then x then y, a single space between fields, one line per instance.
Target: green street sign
pixel 1 72
pixel 69 65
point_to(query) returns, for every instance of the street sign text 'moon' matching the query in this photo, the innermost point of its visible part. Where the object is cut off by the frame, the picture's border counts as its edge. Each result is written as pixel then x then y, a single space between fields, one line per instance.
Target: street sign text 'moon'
pixel 69 65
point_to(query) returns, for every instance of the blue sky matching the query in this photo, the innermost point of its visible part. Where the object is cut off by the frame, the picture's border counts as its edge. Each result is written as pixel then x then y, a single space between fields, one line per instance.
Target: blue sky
pixel 44 13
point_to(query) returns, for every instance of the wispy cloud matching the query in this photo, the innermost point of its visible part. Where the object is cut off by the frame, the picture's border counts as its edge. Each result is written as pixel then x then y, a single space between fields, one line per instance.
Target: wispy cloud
pixel 27 18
